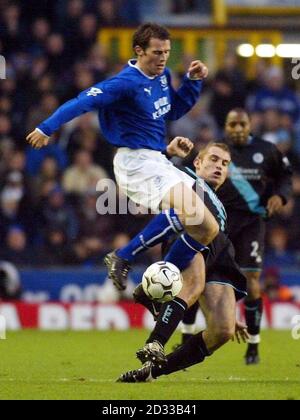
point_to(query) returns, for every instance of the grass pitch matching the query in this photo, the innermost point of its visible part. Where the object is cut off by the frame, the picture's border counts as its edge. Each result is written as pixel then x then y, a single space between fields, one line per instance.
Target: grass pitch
pixel 78 365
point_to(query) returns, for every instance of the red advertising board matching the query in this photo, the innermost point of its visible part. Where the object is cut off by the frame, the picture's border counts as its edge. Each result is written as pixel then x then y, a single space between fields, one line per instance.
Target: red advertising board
pixel 120 316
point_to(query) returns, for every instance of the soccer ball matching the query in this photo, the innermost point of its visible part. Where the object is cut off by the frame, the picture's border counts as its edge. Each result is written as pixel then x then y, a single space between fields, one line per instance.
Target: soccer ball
pixel 162 281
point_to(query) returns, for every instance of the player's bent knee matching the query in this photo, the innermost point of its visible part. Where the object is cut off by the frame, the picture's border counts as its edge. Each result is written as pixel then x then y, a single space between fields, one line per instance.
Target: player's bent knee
pixel 206 232
pixel 213 232
pixel 223 335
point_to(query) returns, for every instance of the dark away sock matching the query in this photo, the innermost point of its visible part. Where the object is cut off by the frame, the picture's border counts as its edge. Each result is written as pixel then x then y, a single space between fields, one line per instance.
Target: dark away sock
pixel 170 316
pixel 254 310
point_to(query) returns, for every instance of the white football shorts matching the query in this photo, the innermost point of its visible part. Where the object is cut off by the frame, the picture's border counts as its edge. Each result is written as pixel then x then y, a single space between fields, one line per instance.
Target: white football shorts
pixel 146 176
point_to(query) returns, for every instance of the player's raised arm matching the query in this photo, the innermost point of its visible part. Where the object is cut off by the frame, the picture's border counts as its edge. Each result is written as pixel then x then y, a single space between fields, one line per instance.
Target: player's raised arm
pixel 188 94
pixel 96 97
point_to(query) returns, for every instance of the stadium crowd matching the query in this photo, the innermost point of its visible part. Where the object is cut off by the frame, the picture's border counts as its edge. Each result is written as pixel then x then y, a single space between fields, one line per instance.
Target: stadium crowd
pixel 48 197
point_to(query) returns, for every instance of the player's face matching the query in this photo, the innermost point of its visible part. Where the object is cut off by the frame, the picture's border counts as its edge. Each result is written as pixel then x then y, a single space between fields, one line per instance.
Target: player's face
pixel 237 128
pixel 154 59
pixel 213 167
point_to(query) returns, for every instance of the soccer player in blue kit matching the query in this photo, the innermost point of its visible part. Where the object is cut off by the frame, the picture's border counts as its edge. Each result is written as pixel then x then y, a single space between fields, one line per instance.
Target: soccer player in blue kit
pixel 133 108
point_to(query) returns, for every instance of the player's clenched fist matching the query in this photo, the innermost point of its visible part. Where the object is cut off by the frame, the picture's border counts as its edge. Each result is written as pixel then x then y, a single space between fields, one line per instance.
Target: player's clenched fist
pixel 198 70
pixel 37 140
pixel 180 146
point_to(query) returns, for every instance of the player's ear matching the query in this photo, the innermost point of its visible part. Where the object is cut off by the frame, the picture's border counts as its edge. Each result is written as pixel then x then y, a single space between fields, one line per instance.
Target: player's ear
pixel 196 162
pixel 139 51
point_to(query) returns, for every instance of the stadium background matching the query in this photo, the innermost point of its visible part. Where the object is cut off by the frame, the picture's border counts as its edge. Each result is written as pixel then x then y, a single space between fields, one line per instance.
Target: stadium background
pixel 49 227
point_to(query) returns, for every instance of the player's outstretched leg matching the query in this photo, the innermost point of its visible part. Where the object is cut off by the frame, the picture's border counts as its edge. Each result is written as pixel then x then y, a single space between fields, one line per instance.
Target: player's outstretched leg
pixel 172 312
pixel 218 305
pixel 184 211
pixel 161 228
pixel 192 352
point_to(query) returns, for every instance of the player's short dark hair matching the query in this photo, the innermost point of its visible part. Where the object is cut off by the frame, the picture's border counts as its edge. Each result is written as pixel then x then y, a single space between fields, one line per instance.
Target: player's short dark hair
pixel 222 146
pixel 238 111
pixel 147 31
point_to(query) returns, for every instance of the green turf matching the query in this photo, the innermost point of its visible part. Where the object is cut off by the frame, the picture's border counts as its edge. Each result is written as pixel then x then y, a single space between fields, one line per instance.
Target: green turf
pixel 77 365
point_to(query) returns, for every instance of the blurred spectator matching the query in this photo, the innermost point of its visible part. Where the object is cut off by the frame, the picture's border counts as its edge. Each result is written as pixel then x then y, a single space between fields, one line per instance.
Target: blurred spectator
pixel 56 212
pixel 258 80
pixel 17 162
pixel 10 284
pixel 121 239
pixel 279 254
pixel 40 31
pixel 83 175
pixel 14 35
pixel 224 98
pixel 275 95
pixel 47 178
pixel 55 50
pixel 5 127
pixel 16 250
pixel 48 104
pixel 56 251
pixel 6 153
pixel 6 105
pixel 38 70
pixel 83 134
pixel 15 204
pixel 191 124
pixel 14 186
pixel 231 70
pixel 87 32
pixel 273 290
pixel 69 14
pixel 36 157
pixel 92 223
pixel 108 15
pixel 97 62
pixel 274 132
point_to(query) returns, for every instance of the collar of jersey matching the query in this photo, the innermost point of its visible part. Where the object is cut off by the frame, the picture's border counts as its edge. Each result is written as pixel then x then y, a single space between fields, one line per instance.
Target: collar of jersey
pixel 206 187
pixel 250 140
pixel 132 63
pixel 201 180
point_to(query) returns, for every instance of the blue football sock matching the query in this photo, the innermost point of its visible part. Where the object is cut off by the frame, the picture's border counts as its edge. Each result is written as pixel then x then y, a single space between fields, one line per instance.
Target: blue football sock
pixel 161 227
pixel 183 251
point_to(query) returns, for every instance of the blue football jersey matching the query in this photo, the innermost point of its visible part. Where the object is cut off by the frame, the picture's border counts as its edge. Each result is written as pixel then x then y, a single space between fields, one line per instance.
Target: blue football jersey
pixel 133 108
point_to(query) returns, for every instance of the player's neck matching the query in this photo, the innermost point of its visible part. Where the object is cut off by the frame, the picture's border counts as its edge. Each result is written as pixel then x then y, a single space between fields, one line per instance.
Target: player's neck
pixel 144 70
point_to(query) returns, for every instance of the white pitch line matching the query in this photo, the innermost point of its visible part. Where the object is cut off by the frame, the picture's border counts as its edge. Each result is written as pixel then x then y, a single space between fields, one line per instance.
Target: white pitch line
pixel 92 380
